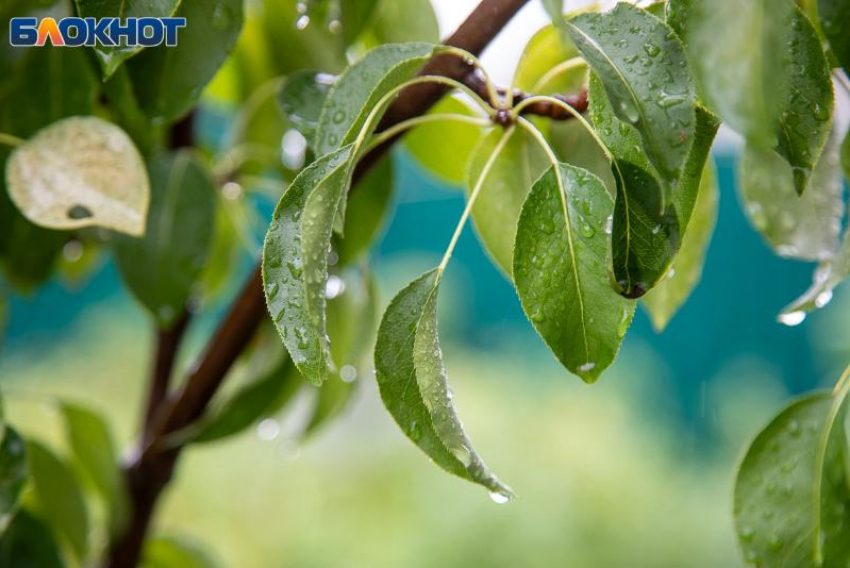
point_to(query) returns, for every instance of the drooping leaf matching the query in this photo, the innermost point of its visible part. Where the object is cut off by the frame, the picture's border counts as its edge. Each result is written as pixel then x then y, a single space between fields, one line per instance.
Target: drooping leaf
pixel 80 172
pixel 173 552
pixel 60 497
pixel 295 257
pixel 805 227
pixel 361 86
pixel 13 474
pixel 834 15
pixel 301 98
pixel 791 488
pixel 162 267
pixel 665 299
pixel 693 174
pixel 366 212
pixel 513 163
pixel 560 271
pixel 645 231
pixel 828 275
pixel 29 542
pixel 111 58
pixel 736 51
pixel 169 79
pixel 91 443
pixel 546 50
pixel 427 142
pixel 643 68
pixel 413 383
pixel 398 21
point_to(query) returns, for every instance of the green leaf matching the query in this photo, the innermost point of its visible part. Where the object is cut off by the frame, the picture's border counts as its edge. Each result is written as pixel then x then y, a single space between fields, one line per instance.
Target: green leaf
pixel 574 145
pixel 678 15
pixel 90 441
pixel 29 542
pixel 169 80
pixel 736 50
pixel 13 475
pixel 127 113
pixel 301 98
pixel 250 403
pixel 827 277
pixel 834 15
pixel 361 86
pixel 693 174
pixel 163 267
pixel 514 163
pixel 413 383
pixel 355 16
pixel 645 231
pixel 80 172
pixel 427 142
pixel 806 227
pixel 663 301
pixel 845 155
pixel 555 10
pixel 111 58
pixel 59 496
pixel 560 270
pixel 643 68
pixel 791 488
pixel 545 50
pixel 173 552
pixel 398 21
pixel 295 257
pixel 366 212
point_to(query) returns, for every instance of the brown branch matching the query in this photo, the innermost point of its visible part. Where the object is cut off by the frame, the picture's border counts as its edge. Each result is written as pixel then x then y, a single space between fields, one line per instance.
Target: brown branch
pixel 167 346
pixel 151 470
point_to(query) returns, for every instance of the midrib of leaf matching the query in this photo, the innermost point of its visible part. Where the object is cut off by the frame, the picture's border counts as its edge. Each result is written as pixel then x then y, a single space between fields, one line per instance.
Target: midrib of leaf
pixel 172 192
pixel 628 218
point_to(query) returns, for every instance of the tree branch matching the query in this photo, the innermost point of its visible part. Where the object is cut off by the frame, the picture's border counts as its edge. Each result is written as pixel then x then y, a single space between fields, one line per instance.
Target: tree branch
pixel 152 468
pixel 167 346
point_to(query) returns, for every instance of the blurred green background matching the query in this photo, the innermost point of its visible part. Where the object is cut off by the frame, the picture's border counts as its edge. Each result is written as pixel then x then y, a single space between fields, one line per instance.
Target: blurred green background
pixel 633 471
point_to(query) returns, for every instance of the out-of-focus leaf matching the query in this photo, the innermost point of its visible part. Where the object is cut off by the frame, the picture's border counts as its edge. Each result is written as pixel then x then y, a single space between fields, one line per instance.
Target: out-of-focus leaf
pixel 361 86
pixel 223 259
pixel 127 112
pixel 301 98
pixel 834 15
pixel 574 145
pixel 400 21
pixel 310 46
pixel 560 270
pixel 365 213
pixel 512 164
pixel 250 403
pixel 827 277
pixel 547 49
pixel 112 57
pixel 643 68
pixel 29 542
pixel 427 142
pixel 845 155
pixel 791 488
pixel 663 301
pixel 169 79
pixel 80 172
pixel 555 10
pixel 172 552
pixel 355 15
pixel 295 257
pixel 805 227
pixel 90 441
pixel 644 230
pixel 162 267
pixel 13 474
pixel 413 383
pixel 60 497
pixel 678 15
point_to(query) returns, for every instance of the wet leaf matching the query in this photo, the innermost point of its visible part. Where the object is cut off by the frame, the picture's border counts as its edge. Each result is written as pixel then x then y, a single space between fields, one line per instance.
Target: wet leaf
pixel 169 79
pixel 834 15
pixel 111 58
pixel 560 270
pixel 60 497
pixel 13 475
pixel 301 98
pixel 517 161
pixel 361 86
pixel 665 299
pixel 295 258
pixel 791 488
pixel 29 542
pixel 827 277
pixel 163 267
pixel 806 227
pixel 91 442
pixel 80 172
pixel 413 383
pixel 643 68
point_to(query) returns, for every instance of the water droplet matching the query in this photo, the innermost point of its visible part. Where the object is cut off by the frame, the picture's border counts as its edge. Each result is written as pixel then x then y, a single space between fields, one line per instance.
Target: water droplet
pixel 231 191
pixel 609 224
pixel 72 251
pixel 623 324
pixel 821 112
pixel 499 497
pixel 335 26
pixel 414 431
pixel 348 373
pixel 823 298
pixel 792 318
pixel 302 22
pixel 334 287
pixel 587 367
pixel 587 230
pixel 268 430
pixel 651 49
pixel 747 533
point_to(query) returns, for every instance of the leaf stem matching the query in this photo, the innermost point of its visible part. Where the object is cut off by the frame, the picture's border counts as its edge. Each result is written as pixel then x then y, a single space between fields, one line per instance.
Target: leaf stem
pixel 557 70
pixel 10 140
pixel 492 93
pixel 393 131
pixel 479 183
